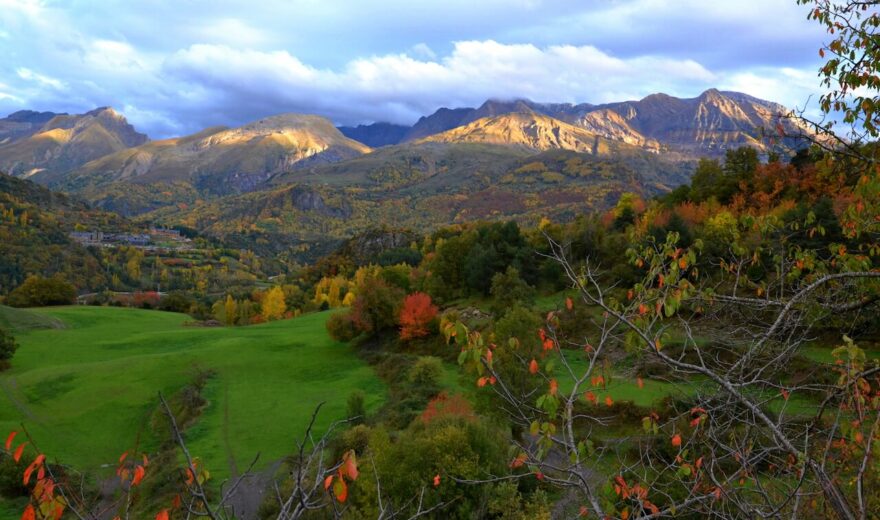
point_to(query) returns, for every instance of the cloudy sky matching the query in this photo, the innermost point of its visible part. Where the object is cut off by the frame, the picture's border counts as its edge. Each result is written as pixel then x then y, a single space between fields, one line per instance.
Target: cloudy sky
pixel 175 66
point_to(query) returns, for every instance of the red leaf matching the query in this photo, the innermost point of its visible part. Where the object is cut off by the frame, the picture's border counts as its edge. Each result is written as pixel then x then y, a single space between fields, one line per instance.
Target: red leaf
pixel 175 502
pixel 533 367
pixel 9 439
pixel 138 475
pixel 436 480
pixel 29 513
pixel 350 465
pixel 162 515
pixel 18 451
pixel 569 304
pixel 676 440
pixel 27 474
pixel 608 401
pixel 123 456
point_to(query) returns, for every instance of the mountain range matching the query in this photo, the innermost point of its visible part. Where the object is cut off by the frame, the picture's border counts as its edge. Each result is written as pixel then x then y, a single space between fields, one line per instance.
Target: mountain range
pixel 295 180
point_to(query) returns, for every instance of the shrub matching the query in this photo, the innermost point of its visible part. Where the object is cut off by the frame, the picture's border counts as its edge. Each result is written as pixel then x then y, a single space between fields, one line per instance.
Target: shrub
pixel 37 291
pixel 357 410
pixel 8 347
pixel 341 327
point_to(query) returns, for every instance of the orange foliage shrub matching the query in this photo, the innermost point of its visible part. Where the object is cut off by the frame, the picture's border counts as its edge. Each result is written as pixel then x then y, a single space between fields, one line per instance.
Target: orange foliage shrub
pixel 447 406
pixel 416 315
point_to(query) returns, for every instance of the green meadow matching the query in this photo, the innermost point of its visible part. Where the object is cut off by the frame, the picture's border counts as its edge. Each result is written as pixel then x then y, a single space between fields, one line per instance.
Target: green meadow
pixel 85 382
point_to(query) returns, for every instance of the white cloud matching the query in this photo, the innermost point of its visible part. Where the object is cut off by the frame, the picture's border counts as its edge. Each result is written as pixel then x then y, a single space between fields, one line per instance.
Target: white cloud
pixel 223 62
pixel 29 75
pixel 471 73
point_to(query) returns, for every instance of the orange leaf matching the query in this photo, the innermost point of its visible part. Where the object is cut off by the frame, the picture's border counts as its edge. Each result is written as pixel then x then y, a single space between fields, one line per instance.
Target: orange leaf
pixel 10 438
pixel 784 393
pixel 699 463
pixel 350 465
pixel 717 493
pixel 162 515
pixel 590 396
pixel 123 456
pixel 27 474
pixel 146 460
pixel 608 402
pixel 676 440
pixel 29 513
pixel 569 304
pixel 640 383
pixel 533 367
pixel 554 387
pixel 328 481
pixel 481 382
pixel 139 473
pixel 18 451
pixel 175 502
pixel 436 480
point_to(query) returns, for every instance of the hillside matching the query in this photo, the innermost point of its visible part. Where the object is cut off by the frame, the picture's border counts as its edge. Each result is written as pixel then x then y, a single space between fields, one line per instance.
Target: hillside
pixel 221 160
pixel 423 186
pixel 31 144
pixel 705 125
pixel 34 235
pixel 107 365
pixel 528 130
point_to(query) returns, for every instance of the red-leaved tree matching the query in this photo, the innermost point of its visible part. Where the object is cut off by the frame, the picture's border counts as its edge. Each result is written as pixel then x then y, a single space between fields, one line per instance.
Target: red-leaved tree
pixel 416 315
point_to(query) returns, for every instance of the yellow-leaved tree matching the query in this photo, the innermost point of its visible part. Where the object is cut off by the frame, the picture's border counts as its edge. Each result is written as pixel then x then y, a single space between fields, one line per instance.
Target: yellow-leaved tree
pixel 273 304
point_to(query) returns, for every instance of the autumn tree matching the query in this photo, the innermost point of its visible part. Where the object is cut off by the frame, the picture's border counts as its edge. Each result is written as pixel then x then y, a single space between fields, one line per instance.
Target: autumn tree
pixel 230 310
pixel 416 316
pixel 764 429
pixel 273 305
pixel 37 291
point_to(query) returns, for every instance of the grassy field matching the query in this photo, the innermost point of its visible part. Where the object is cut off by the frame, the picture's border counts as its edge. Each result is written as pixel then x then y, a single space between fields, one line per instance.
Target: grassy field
pixel 85 390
